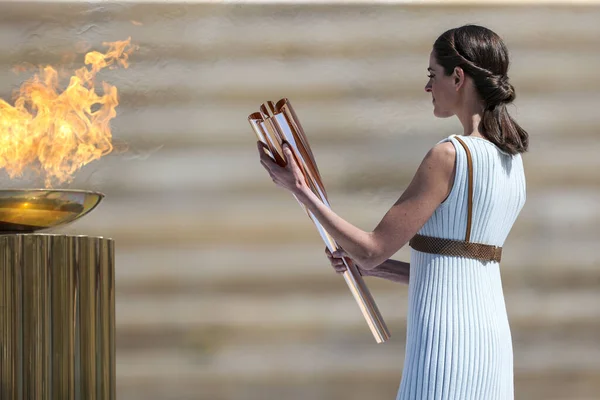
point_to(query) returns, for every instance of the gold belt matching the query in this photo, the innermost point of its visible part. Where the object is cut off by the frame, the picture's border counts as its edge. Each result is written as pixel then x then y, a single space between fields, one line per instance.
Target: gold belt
pixel 434 245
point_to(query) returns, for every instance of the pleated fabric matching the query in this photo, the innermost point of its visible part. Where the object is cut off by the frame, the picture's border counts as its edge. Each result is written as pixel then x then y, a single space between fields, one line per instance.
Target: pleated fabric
pixel 459 343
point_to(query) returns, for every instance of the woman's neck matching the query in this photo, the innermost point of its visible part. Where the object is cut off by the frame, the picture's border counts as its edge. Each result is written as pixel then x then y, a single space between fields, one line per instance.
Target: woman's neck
pixel 470 119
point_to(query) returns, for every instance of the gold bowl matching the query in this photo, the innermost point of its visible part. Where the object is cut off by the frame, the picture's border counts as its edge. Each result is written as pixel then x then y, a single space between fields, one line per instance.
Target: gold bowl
pixel 30 210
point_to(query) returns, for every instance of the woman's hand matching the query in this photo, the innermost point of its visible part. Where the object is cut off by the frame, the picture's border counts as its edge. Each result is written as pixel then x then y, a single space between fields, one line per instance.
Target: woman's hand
pixel 337 262
pixel 392 270
pixel 289 177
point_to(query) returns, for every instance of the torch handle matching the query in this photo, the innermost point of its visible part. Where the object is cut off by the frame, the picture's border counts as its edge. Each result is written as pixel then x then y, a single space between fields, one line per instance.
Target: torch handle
pixel 358 288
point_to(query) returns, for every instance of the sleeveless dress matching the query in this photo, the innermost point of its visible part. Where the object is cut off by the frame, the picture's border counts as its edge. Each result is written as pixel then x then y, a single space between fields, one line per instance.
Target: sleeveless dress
pixel 458 342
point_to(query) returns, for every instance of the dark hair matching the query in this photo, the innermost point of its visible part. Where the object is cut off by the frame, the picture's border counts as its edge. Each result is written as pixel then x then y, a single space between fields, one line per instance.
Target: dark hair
pixel 483 56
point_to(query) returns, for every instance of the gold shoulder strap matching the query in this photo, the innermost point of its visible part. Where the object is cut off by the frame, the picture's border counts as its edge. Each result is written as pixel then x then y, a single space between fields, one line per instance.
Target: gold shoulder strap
pixel 436 245
pixel 470 194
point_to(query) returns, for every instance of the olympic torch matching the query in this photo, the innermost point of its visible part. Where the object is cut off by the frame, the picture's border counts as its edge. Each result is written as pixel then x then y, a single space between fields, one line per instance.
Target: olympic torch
pixel 275 123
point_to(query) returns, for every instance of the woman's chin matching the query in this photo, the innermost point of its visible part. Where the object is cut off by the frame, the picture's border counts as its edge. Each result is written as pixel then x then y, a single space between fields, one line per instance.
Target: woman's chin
pixel 441 114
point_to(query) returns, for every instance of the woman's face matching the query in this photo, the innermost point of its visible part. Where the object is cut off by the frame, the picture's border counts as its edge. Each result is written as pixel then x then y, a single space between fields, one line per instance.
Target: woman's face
pixel 442 88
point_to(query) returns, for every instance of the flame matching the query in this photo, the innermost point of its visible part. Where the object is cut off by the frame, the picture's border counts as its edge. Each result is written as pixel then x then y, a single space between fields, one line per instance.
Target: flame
pixel 60 132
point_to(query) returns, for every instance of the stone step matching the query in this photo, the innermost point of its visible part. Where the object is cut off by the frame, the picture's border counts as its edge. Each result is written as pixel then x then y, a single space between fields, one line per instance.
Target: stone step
pixel 334 310
pixel 381 167
pixel 272 360
pixel 227 25
pixel 274 217
pixel 154 83
pixel 146 130
pixel 203 48
pixel 206 340
pixel 346 119
pixel 555 385
pixel 280 368
pixel 190 98
pixel 303 268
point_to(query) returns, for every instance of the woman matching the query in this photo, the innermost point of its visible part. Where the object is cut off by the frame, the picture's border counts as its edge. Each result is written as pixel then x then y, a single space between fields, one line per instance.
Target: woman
pixel 455 214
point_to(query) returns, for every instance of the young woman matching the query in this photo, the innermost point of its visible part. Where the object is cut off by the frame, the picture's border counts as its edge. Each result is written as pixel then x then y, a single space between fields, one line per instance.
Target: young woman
pixel 455 214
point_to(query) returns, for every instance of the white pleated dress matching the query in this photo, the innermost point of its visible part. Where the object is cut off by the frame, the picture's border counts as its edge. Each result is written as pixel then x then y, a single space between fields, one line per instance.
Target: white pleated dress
pixel 458 344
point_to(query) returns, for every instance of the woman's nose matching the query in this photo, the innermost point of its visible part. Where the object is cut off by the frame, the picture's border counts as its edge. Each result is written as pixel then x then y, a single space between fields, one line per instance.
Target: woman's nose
pixel 428 87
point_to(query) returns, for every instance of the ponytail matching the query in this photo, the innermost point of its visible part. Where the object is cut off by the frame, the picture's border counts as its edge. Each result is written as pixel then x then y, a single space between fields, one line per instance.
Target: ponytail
pixel 501 129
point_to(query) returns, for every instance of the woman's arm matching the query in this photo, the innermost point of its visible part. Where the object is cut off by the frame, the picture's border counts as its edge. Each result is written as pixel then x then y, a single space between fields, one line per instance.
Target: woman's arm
pixel 392 270
pixel 429 187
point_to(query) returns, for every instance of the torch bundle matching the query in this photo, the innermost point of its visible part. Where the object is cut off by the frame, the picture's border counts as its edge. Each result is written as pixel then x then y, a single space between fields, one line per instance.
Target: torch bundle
pixel 277 123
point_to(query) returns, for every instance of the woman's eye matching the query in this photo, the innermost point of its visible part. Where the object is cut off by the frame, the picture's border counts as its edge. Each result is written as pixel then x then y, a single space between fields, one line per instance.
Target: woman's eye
pixel 430 76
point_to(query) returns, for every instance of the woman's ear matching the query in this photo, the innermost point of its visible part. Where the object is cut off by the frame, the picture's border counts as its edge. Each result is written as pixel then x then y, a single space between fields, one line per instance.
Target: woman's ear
pixel 459 77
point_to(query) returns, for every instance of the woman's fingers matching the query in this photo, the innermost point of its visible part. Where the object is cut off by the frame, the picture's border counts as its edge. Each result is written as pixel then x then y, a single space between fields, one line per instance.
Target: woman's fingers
pixel 336 261
pixel 340 270
pixel 338 265
pixel 339 253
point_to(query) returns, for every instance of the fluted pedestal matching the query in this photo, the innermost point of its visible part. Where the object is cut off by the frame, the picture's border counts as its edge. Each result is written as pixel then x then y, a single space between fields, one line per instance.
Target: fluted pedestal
pixel 57 317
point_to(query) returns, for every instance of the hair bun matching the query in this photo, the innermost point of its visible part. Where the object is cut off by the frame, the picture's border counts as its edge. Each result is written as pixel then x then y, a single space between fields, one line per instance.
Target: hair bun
pixel 508 91
pixel 498 90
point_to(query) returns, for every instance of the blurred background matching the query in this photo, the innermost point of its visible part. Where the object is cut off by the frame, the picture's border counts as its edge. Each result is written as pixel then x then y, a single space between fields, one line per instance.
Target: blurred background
pixel 223 290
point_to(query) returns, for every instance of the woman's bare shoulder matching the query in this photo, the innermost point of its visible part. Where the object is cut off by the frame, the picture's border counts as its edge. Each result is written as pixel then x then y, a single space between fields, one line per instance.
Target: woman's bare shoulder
pixel 442 155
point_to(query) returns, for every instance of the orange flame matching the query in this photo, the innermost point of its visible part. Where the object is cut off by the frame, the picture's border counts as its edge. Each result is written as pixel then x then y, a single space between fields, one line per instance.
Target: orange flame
pixel 60 132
